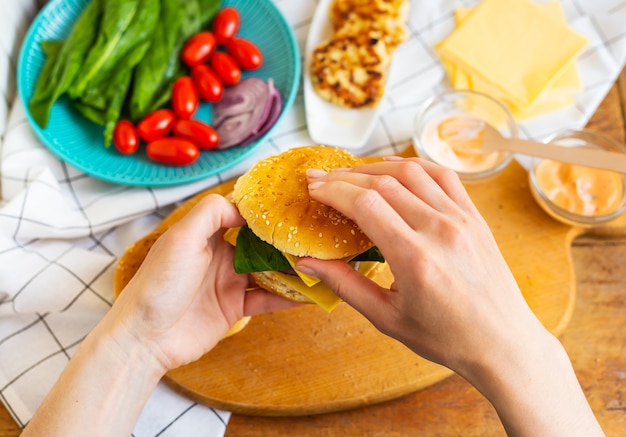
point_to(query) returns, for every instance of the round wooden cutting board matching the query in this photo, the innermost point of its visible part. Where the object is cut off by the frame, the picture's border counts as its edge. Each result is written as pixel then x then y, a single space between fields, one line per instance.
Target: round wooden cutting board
pixel 304 361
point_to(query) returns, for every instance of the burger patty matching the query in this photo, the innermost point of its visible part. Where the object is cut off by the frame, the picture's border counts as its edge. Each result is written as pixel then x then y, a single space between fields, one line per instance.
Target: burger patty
pixel 350 69
pixel 269 281
pixel 386 18
pixel 341 9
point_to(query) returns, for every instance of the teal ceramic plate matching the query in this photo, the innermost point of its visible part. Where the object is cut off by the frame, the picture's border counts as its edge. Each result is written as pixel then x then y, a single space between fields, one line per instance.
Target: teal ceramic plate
pixel 79 142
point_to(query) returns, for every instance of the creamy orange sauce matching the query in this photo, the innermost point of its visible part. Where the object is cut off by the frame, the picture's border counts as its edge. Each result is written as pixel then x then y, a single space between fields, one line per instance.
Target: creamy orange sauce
pixel 581 190
pixel 462 133
pixel 455 142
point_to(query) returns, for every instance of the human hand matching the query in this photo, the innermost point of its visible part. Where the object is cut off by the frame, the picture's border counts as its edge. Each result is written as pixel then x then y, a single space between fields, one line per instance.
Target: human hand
pixel 454 299
pixel 179 304
pixel 186 294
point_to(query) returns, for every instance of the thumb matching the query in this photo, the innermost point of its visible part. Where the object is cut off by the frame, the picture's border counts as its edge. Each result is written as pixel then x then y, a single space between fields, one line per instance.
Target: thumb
pixel 360 292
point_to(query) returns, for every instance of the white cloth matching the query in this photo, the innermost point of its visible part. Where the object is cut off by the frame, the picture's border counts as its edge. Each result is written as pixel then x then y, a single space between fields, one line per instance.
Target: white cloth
pixel 62 231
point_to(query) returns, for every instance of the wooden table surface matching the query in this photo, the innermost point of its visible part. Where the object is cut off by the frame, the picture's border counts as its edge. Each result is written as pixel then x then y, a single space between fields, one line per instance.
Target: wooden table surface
pixel 595 340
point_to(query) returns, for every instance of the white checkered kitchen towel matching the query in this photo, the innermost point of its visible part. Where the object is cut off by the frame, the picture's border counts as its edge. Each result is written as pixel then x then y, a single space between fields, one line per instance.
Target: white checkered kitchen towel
pixel 61 231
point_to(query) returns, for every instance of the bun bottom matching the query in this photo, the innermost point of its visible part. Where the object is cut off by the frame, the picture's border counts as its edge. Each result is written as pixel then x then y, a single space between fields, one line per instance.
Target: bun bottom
pixel 270 282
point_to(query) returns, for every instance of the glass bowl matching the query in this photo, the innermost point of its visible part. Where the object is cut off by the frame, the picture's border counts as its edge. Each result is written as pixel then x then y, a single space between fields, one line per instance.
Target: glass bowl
pixel 576 195
pixel 462 104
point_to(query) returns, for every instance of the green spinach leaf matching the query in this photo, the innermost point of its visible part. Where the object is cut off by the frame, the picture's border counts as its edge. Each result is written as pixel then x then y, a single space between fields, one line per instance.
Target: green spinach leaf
pixel 63 63
pixel 51 48
pixel 372 254
pixel 155 75
pixel 125 25
pixel 255 255
pixel 208 10
pixel 103 103
pixel 103 99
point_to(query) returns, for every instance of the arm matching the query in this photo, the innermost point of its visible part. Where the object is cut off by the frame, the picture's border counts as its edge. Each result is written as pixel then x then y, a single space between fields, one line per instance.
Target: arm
pixel 181 302
pixel 98 390
pixel 454 300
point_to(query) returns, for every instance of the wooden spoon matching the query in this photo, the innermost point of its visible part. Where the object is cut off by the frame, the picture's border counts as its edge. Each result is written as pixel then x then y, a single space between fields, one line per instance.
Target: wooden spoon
pixel 484 138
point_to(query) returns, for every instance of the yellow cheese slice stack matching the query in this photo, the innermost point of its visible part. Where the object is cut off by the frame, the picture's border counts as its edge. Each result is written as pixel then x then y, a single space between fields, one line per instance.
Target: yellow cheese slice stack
pixel 519 52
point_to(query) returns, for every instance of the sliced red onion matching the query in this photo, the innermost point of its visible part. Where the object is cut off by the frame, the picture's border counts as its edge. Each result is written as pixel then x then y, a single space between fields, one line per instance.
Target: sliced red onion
pixel 234 130
pixel 239 98
pixel 241 111
pixel 246 112
pixel 275 107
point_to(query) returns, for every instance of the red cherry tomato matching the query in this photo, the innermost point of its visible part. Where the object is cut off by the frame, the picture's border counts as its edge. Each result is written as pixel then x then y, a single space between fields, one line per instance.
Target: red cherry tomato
pixel 246 53
pixel 226 68
pixel 173 151
pixel 185 99
pixel 198 48
pixel 155 125
pixel 125 137
pixel 226 24
pixel 197 131
pixel 209 85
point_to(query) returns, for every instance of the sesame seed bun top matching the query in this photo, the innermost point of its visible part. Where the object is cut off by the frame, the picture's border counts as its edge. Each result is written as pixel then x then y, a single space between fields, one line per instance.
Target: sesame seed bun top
pixel 274 199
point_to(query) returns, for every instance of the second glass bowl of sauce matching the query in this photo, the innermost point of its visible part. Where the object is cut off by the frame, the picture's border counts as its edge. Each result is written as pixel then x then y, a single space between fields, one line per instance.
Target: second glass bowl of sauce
pixel 578 195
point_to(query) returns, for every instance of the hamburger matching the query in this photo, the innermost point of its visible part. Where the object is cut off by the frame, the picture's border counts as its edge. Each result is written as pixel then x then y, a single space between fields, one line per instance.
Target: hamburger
pixel 284 223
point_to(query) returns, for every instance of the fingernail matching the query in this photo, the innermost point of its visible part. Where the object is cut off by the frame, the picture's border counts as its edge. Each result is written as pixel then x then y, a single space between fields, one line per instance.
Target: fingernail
pixel 306 270
pixel 392 158
pixel 314 173
pixel 315 185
